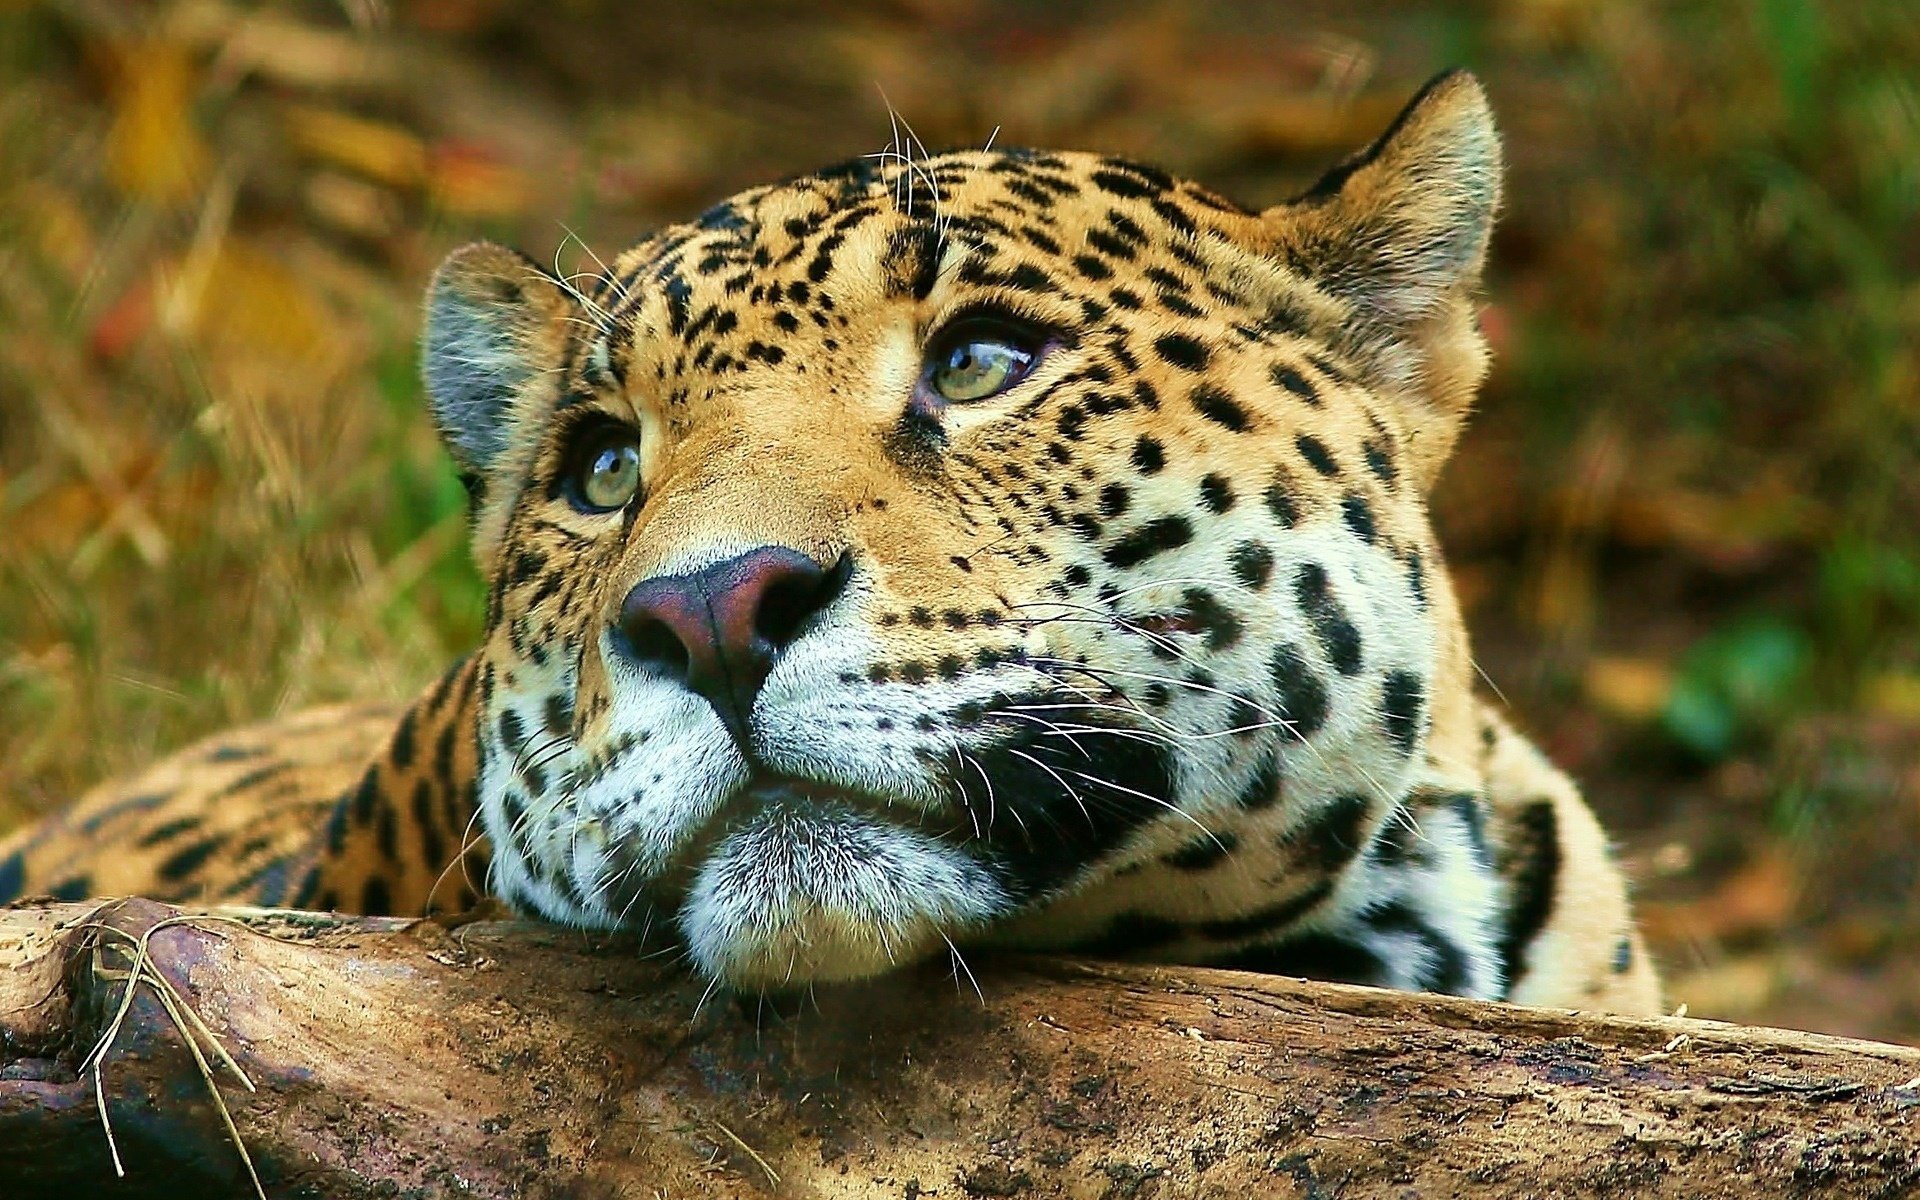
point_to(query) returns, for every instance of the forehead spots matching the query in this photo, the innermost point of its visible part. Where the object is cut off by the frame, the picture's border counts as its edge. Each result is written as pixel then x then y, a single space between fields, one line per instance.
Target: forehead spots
pixel 1316 453
pixel 1289 380
pixel 1380 461
pixel 1219 407
pixel 1182 351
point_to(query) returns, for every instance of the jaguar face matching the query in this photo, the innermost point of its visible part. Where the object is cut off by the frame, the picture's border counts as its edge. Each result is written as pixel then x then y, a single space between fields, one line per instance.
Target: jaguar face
pixel 889 556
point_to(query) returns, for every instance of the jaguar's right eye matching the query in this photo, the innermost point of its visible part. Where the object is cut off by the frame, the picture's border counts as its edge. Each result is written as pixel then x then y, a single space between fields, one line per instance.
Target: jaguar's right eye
pixel 604 471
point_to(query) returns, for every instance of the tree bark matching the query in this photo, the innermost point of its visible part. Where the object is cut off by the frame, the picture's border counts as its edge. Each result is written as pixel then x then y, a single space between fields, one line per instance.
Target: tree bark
pixel 515 1060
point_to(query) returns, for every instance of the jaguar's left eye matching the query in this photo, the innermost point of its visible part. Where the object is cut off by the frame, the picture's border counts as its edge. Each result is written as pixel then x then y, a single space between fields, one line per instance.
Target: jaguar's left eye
pixel 976 360
pixel 603 470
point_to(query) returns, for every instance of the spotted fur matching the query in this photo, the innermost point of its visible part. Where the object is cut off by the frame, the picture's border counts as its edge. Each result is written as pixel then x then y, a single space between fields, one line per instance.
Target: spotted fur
pixel 1153 655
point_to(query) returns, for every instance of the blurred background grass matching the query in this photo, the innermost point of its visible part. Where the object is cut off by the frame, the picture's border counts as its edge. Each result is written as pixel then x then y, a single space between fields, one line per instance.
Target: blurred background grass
pixel 1686 524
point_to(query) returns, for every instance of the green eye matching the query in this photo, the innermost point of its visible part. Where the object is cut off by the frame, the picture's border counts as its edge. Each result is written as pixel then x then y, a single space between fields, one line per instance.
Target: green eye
pixel 973 364
pixel 606 472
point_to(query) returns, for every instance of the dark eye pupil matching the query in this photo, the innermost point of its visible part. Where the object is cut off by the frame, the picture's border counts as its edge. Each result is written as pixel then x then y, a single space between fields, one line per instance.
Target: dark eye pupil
pixel 607 461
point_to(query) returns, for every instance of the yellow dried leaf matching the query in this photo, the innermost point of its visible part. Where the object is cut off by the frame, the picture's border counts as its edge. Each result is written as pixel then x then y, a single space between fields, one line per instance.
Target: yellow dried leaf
pixel 242 300
pixel 469 183
pixel 154 151
pixel 1634 689
pixel 375 149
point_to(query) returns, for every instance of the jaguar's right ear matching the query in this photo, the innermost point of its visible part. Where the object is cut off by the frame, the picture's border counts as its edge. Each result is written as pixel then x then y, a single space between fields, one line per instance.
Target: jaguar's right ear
pixel 495 335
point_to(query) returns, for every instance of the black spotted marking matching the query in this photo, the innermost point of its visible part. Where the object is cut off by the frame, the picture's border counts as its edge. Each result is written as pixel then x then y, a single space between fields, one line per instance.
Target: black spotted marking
pixel 1335 834
pixel 1124 184
pixel 1380 462
pixel 1358 515
pixel 119 808
pixel 376 899
pixel 1279 498
pixel 184 862
pixel 913 260
pixel 1217 406
pixel 917 440
pixel 267 883
pixel 305 894
pixel 1269 919
pixel 1262 791
pixel 1300 696
pixel 557 713
pixel 1130 934
pixel 166 831
pixel 513 734
pixel 1252 564
pixel 1149 456
pixel 1205 614
pixel 432 845
pixel 1203 853
pixel 1114 499
pixel 339 825
pixel 1289 380
pixel 1446 966
pixel 1216 493
pixel 1403 701
pixel 1316 453
pixel 1155 537
pixel 387 834
pixel 1091 267
pixel 1532 866
pixel 1312 956
pixel 366 797
pixel 1062 815
pixel 1471 811
pixel 1338 636
pixel 78 887
pixel 1395 843
pixel 1182 351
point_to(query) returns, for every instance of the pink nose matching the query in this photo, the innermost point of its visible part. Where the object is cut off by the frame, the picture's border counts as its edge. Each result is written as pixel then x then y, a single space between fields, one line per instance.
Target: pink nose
pixel 719 630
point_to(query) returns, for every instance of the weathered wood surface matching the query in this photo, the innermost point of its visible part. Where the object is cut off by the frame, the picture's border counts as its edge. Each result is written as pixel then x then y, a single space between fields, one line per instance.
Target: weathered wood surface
pixel 517 1060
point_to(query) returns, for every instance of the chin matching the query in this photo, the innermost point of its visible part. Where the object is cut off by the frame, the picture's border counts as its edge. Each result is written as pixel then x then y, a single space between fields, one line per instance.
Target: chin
pixel 808 893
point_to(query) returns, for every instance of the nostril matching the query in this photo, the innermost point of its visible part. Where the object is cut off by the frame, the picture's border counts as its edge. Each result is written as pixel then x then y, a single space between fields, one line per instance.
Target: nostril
pixel 653 643
pixel 797 596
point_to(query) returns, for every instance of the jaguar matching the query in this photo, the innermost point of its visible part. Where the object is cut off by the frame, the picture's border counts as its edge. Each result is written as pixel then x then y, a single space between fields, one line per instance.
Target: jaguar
pixel 988 548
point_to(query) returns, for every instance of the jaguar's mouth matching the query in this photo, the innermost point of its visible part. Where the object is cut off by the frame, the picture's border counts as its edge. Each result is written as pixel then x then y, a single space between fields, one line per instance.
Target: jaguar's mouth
pixel 796 882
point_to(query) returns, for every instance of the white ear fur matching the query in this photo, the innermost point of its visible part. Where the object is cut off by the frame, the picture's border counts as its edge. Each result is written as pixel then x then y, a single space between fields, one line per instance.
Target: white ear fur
pixel 493 323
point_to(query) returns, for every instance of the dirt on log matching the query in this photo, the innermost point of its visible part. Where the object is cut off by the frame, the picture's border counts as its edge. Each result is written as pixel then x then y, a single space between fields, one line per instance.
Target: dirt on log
pixel 393 1058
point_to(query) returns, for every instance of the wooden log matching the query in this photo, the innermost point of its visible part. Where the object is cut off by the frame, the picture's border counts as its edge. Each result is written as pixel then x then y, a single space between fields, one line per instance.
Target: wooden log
pixel 517 1060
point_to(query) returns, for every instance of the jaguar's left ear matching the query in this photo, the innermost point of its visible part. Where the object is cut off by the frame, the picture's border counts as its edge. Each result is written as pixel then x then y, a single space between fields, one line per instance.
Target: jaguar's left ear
pixel 1399 233
pixel 494 336
pixel 491 353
